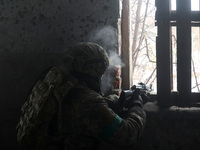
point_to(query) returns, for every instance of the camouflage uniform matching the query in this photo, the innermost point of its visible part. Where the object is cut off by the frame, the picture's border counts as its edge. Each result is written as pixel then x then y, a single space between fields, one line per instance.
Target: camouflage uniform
pixel 88 117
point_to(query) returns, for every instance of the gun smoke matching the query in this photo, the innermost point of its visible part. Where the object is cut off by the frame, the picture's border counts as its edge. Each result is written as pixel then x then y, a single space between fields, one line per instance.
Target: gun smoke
pixel 107 37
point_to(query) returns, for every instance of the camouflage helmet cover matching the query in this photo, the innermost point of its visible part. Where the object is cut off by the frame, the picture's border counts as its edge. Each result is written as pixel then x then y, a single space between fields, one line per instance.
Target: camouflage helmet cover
pixel 89 58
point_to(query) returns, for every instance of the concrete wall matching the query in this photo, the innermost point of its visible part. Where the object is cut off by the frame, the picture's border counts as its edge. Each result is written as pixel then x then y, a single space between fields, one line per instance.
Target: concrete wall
pixel 171 129
pixel 33 36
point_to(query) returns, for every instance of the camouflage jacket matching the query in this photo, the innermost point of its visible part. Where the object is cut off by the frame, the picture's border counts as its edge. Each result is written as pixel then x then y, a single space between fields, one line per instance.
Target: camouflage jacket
pixel 89 118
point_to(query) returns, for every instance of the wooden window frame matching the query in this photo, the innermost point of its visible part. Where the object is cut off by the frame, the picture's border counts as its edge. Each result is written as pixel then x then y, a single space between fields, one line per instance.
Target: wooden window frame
pixel 166 18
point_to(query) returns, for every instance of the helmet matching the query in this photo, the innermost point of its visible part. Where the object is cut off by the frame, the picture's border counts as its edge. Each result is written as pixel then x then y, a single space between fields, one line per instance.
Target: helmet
pixel 89 59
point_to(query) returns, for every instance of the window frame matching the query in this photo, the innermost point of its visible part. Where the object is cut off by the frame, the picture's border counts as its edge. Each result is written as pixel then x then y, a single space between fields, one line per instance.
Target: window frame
pixel 182 18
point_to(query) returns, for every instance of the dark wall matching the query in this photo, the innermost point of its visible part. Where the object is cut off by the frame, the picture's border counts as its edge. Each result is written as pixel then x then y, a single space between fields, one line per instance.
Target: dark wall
pixel 173 128
pixel 33 36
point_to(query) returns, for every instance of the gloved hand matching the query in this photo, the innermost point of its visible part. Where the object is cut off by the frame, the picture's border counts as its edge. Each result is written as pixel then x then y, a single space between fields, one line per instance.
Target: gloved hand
pixel 135 100
pixel 145 98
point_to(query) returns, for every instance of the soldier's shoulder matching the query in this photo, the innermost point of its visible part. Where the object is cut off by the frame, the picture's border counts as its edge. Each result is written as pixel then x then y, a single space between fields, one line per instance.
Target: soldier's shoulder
pixel 84 92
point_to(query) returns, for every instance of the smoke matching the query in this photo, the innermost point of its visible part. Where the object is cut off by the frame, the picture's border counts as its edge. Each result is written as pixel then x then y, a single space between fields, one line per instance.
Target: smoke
pixel 104 36
pixel 115 60
pixel 107 37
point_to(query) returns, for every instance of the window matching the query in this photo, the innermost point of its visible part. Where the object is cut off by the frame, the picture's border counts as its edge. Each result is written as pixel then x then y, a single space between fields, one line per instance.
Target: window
pixel 177 51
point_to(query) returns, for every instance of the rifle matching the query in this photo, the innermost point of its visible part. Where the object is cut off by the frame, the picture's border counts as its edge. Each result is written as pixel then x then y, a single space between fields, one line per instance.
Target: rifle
pixel 128 97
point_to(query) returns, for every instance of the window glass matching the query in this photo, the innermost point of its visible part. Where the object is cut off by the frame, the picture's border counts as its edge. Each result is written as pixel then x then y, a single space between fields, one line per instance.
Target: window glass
pixel 173 4
pixel 195 5
pixel 144 34
pixel 195 59
pixel 174 58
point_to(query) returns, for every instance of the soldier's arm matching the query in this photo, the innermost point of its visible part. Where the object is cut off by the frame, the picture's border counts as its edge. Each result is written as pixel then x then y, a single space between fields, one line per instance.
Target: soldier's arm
pixel 130 129
pixel 113 102
pixel 106 124
pixel 126 131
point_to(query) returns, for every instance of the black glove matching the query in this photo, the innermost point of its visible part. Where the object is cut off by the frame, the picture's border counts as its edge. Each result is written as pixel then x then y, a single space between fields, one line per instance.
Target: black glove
pixel 130 104
pixel 145 98
pixel 131 100
pixel 137 102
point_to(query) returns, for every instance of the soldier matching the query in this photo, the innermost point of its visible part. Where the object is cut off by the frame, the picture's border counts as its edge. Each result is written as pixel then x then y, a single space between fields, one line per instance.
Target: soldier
pixel 88 118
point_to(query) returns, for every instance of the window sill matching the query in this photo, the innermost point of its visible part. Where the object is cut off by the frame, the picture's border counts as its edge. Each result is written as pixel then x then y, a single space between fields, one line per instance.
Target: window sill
pixel 174 112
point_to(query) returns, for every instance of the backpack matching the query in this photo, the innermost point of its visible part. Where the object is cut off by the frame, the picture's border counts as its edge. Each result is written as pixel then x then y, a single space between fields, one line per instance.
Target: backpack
pixel 43 102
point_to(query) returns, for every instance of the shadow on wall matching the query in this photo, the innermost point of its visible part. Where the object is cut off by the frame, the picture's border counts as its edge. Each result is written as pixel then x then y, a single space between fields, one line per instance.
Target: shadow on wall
pixel 19 72
pixel 33 37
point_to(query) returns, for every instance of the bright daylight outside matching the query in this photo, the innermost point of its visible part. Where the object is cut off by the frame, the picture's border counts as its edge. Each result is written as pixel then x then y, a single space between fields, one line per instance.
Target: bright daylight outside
pixel 144 34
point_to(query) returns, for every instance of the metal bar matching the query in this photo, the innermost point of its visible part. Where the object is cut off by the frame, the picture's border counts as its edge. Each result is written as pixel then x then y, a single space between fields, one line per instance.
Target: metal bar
pixel 163 53
pixel 184 51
